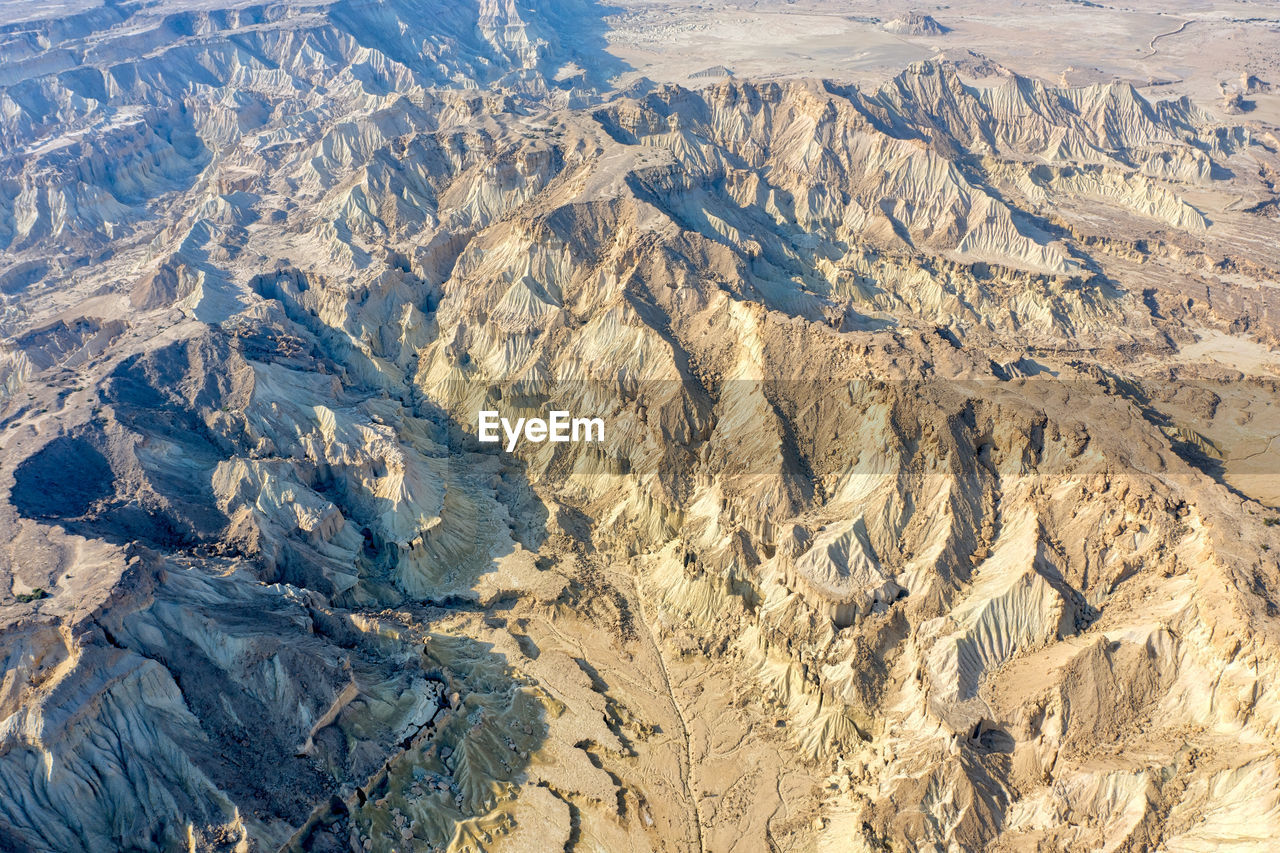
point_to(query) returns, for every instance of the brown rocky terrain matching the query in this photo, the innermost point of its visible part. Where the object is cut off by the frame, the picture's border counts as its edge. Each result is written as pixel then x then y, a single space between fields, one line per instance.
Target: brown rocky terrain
pixel 935 510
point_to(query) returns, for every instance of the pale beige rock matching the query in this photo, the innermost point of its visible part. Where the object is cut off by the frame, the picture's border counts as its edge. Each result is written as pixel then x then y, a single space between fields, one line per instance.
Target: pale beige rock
pixel 934 508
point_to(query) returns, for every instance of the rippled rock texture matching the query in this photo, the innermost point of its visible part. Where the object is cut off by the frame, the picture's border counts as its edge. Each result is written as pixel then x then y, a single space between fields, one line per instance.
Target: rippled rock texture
pixel 925 517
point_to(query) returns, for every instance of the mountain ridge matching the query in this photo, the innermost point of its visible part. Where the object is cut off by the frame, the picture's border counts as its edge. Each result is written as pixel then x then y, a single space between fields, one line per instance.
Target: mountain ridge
pixel 914 490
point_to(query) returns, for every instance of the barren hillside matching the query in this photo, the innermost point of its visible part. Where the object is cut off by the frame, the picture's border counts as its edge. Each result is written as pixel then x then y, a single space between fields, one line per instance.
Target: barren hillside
pixel 937 502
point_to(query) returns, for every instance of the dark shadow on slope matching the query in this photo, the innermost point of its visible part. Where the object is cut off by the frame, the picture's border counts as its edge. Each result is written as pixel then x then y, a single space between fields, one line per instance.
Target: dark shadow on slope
pixel 64 480
pixel 226 639
pixel 140 471
pixel 987 736
pixel 363 377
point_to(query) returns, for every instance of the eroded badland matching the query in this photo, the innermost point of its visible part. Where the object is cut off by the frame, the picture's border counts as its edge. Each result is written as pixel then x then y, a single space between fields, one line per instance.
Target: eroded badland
pixel 936 353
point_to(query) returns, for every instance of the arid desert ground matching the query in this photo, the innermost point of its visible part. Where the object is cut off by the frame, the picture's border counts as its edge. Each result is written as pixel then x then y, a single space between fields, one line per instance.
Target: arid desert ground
pixel 936 349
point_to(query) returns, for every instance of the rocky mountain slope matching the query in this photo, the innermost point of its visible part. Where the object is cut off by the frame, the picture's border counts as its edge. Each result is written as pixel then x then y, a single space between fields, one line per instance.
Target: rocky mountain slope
pixel 933 511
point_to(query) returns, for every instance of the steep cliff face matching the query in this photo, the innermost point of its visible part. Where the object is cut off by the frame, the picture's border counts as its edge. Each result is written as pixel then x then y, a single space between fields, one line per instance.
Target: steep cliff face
pixel 925 513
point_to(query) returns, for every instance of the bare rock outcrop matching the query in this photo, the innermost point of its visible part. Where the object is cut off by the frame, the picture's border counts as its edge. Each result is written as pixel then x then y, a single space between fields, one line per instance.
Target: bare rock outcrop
pixel 914 24
pixel 931 509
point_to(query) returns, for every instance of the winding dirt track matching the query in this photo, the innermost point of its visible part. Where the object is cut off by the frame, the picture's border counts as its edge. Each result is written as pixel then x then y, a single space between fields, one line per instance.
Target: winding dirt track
pixel 1158 36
